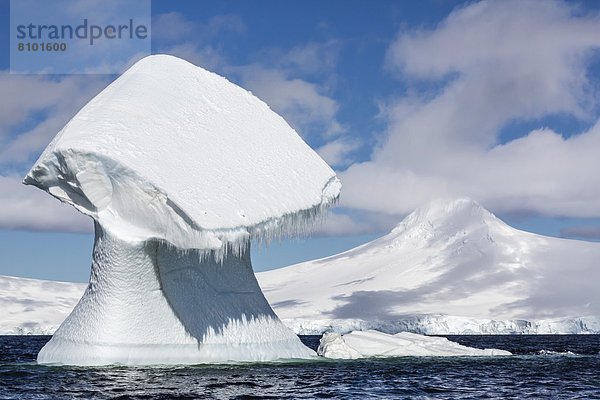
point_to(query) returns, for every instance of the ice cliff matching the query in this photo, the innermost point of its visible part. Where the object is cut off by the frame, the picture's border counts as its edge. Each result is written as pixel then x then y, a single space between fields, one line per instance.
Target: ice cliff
pixel 179 169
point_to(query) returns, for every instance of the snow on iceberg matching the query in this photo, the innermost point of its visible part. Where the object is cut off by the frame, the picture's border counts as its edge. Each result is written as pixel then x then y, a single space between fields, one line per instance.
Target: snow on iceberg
pixel 179 169
pixel 372 343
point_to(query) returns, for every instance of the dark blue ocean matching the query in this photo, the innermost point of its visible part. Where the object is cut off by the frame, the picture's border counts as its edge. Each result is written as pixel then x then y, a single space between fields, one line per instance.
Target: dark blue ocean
pixel 544 367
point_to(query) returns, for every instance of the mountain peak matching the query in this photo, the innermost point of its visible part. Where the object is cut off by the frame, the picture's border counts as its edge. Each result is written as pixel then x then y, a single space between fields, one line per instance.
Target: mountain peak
pixel 443 219
pixel 441 211
pixel 449 257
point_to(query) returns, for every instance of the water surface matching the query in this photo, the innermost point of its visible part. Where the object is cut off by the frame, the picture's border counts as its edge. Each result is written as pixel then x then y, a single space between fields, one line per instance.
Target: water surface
pixel 557 366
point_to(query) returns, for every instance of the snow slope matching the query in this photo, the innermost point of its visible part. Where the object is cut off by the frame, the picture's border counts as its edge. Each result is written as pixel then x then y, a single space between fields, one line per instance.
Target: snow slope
pixel 32 306
pixel 180 169
pixel 449 267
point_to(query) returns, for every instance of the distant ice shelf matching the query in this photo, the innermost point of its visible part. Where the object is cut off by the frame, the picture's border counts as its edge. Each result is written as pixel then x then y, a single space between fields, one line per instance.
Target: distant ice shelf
pixel 449 325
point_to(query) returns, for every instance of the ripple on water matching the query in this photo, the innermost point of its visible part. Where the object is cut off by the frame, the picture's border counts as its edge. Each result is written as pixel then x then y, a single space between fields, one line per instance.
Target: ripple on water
pixel 530 374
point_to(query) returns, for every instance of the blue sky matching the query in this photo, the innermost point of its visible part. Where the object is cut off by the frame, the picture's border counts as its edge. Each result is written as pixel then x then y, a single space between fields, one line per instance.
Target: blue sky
pixel 408 101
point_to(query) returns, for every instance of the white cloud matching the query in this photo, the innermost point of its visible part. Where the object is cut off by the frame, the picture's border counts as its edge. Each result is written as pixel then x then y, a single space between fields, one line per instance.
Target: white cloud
pixel 171 27
pixel 42 105
pixel 26 207
pixel 496 62
pixel 224 23
pixel 298 101
pixel 312 58
pixel 277 76
pixel 336 224
pixel 585 232
pixel 31 95
pixel 337 152
pixel 39 106
pixel 197 42
pixel 207 56
pixel 176 28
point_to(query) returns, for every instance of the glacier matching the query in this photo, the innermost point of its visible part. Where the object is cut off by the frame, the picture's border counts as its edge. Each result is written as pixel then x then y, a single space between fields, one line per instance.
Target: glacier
pixel 180 170
pixel 450 267
pixel 443 324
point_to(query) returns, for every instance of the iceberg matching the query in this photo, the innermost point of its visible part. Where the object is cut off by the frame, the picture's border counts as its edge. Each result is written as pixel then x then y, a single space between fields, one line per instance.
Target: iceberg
pixel 180 170
pixel 372 343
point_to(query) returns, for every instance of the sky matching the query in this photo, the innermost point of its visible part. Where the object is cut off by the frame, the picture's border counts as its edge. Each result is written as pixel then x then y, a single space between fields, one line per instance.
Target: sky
pixel 408 102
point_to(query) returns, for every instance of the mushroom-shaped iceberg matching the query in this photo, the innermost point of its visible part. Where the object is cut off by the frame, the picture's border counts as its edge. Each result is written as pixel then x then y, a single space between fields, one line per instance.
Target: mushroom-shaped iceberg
pixel 180 169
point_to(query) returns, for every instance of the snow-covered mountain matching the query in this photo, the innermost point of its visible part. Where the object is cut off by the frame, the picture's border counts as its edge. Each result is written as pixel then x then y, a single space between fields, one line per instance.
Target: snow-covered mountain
pixel 449 267
pixel 33 306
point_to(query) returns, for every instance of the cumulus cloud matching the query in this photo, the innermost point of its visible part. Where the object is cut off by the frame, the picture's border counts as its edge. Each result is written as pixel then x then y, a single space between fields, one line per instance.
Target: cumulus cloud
pixel 277 76
pixel 338 151
pixel 300 102
pixel 37 108
pixel 345 222
pixel 493 63
pixel 195 41
pixel 581 232
pixel 174 27
pixel 294 83
pixel 336 224
pixel 26 207
pixel 206 56
pixel 310 58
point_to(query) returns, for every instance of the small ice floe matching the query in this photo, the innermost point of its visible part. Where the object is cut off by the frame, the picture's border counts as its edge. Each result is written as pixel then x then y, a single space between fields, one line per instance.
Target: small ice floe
pixel 362 344
pixel 544 352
